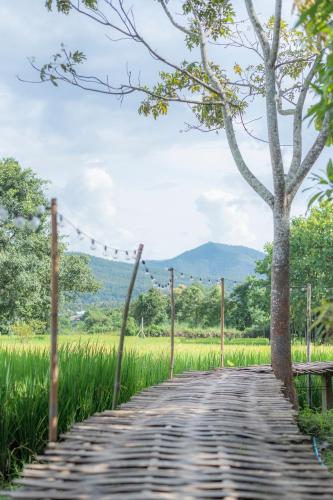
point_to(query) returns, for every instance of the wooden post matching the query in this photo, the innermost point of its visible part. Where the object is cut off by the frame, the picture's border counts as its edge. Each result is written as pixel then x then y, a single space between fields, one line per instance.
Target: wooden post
pixel 142 332
pixel 326 392
pixel 222 322
pixel 308 339
pixel 53 404
pixel 117 380
pixel 172 333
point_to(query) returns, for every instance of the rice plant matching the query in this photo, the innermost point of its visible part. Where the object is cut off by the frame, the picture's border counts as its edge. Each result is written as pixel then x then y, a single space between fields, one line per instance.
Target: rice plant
pixel 86 382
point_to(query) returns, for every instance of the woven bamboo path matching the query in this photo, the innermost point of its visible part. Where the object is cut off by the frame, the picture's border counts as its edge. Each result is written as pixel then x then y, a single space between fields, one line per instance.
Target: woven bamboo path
pixel 205 435
pixel 308 368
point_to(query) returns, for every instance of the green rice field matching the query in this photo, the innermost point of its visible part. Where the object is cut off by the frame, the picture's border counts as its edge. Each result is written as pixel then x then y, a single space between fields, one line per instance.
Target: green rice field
pixel 86 373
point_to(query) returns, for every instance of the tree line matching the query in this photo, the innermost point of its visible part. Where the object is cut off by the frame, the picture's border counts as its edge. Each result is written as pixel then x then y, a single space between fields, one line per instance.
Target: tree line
pixel 247 305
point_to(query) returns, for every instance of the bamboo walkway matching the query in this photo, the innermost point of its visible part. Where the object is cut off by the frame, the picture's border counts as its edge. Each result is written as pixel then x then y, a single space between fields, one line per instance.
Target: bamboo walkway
pixel 204 435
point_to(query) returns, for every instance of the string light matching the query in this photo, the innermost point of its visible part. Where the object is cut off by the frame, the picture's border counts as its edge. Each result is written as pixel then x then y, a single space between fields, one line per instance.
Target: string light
pixel 107 250
pixel 93 244
pixel 19 221
pixel 3 214
pixel 33 223
pixel 41 210
pixel 61 221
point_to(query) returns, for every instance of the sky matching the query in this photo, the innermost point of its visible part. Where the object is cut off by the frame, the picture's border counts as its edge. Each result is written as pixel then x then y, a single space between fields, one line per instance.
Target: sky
pixel 120 177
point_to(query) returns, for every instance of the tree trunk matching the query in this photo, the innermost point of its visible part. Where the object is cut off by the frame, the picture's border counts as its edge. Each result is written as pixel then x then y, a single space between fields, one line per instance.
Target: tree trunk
pixel 280 312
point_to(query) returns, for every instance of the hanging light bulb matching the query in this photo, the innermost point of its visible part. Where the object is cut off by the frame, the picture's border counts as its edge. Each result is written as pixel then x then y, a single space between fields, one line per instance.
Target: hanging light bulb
pixel 19 221
pixel 3 214
pixel 143 262
pixel 115 254
pixel 105 251
pixel 93 244
pixel 33 223
pixel 127 255
pixel 147 270
pixel 61 221
pixel 40 210
pixel 79 234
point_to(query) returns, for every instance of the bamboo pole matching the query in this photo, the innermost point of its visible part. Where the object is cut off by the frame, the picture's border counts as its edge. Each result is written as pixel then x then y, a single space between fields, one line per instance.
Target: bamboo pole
pixel 117 381
pixel 172 333
pixel 53 403
pixel 222 322
pixel 308 339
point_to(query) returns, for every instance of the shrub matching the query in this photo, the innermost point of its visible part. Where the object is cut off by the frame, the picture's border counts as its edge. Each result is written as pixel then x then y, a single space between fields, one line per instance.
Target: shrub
pixel 23 330
pixel 39 327
pixel 155 331
pixel 132 328
pixel 96 321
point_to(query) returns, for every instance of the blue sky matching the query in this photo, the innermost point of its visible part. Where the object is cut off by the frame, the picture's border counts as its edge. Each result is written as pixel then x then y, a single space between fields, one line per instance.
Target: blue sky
pixel 123 178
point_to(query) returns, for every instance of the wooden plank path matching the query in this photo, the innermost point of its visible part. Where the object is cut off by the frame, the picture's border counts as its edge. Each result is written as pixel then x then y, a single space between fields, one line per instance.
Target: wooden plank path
pixel 204 435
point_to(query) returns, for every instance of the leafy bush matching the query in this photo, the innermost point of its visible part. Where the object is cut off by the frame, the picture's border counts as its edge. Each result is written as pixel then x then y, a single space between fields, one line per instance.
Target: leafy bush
pixel 155 331
pixel 23 330
pixel 320 426
pixel 151 306
pixel 132 328
pixel 39 327
pixel 96 321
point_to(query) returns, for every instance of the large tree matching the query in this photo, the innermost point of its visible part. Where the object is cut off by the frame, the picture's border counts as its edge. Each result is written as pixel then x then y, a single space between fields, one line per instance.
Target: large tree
pixel 25 251
pixel 283 65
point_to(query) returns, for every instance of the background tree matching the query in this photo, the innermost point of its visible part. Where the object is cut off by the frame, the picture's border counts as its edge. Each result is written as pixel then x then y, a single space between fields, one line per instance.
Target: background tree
pixel 317 16
pixel 311 261
pixel 210 308
pixel 151 306
pixel 188 304
pixel 284 64
pixel 248 305
pixel 25 251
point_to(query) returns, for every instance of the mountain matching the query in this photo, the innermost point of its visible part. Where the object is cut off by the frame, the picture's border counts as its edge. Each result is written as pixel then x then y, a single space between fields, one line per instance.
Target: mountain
pixel 214 260
pixel 211 260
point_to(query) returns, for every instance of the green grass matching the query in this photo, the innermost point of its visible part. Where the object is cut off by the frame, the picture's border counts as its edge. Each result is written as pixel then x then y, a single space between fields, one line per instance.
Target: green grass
pixel 320 426
pixel 85 386
pixel 86 367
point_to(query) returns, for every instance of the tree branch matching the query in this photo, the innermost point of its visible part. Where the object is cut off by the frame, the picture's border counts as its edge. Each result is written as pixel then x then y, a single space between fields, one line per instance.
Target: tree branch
pixel 129 30
pixel 246 173
pixel 276 33
pixel 256 185
pixel 80 81
pixel 271 105
pixel 297 125
pixel 172 19
pixel 281 111
pixel 310 158
pixel 258 29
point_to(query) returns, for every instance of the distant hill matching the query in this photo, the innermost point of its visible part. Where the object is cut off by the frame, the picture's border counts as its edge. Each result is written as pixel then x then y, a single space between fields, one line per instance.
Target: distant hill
pixel 211 260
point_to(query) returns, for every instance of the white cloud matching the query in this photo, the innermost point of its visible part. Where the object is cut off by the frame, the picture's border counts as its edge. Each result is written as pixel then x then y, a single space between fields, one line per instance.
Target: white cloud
pixel 233 219
pixel 117 175
pixel 88 200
